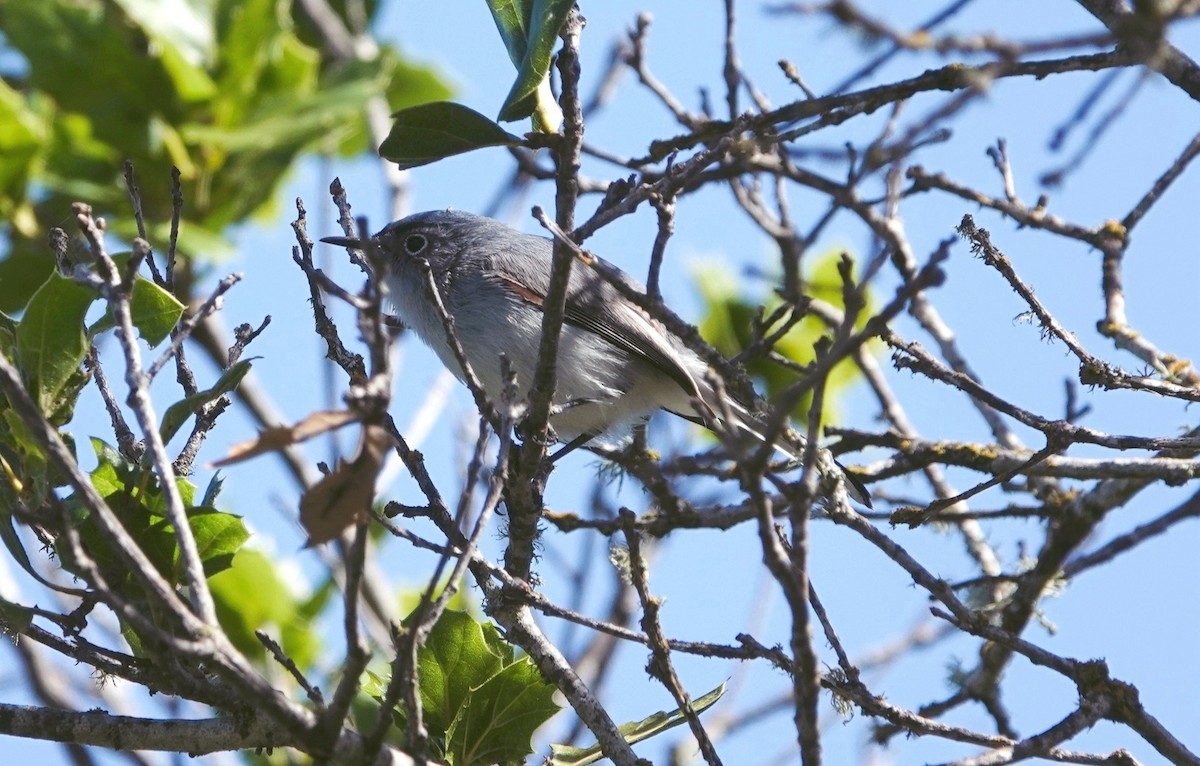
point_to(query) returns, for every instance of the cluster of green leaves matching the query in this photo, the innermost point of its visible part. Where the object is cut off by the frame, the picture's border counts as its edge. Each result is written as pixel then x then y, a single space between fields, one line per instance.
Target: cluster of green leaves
pixel 231 92
pixel 730 316
pixel 480 702
pixel 134 494
pixel 430 132
pixel 48 345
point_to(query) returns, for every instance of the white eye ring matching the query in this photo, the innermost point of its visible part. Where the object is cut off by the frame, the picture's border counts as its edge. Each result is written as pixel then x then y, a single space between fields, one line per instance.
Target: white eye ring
pixel 415 243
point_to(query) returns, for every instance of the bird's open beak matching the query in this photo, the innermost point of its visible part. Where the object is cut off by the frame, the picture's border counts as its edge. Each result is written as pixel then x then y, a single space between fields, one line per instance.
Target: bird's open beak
pixel 352 242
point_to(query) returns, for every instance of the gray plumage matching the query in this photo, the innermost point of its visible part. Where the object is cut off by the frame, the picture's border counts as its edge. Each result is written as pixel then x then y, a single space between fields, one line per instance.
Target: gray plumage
pixel 616 365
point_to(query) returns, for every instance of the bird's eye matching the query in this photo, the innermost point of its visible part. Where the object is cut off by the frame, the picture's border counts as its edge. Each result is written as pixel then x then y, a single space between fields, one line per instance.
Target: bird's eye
pixel 415 243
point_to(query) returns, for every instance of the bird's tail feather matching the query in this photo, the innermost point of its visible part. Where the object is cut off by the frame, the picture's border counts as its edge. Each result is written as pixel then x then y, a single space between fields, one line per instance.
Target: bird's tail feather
pixel 745 421
pixel 825 462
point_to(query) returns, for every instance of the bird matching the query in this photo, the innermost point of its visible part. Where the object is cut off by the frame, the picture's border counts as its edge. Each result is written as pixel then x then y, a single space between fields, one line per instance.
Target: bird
pixel 616 364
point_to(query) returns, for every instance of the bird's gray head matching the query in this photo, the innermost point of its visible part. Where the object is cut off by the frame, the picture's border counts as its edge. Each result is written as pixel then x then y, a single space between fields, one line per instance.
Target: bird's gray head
pixel 441 237
pixel 465 253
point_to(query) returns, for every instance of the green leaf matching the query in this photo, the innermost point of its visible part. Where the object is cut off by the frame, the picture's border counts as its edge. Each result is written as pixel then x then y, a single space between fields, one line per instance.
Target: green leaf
pixel 187 493
pixel 497 723
pixel 136 497
pixel 186 24
pixel 184 39
pixel 430 132
pixel 218 536
pixel 403 82
pixel 255 59
pixel 374 685
pixel 364 714
pixel 178 413
pixel 21 137
pixel 253 595
pixel 531 90
pixel 15 435
pixel 14 618
pixel 411 83
pixel 476 696
pixel 72 47
pixel 8 534
pixel 214 488
pixel 22 271
pixel 107 80
pixel 729 316
pixel 457 658
pixel 50 339
pixel 154 311
pixel 129 491
pixel 566 755
pixel 8 336
pixel 157 540
pixel 512 22
pixel 62 409
pixel 192 83
pixel 288 122
pixel 113 471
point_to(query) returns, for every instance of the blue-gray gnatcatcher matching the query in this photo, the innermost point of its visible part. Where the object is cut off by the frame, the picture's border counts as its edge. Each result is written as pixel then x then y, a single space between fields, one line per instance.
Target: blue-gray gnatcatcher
pixel 616 365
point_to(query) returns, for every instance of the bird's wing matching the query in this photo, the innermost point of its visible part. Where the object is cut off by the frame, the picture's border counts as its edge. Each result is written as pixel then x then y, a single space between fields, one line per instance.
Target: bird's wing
pixel 631 330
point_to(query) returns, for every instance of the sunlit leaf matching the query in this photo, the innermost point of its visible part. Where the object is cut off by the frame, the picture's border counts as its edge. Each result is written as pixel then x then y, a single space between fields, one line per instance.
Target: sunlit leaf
pixel 497 723
pixel 178 413
pixel 728 323
pixel 373 685
pixel 253 595
pixel 288 121
pixel 636 731
pixel 154 311
pixel 218 537
pixel 512 22
pixel 21 136
pixel 113 470
pixel 50 339
pixel 186 24
pixel 411 83
pixel 402 81
pixel 455 659
pixel 531 89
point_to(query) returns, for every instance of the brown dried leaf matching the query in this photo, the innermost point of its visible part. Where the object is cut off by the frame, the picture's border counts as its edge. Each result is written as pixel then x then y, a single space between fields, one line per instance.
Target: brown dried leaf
pixel 344 497
pixel 279 437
